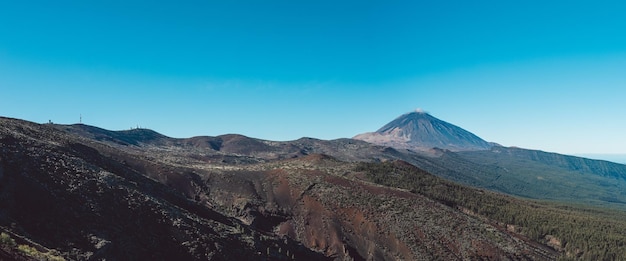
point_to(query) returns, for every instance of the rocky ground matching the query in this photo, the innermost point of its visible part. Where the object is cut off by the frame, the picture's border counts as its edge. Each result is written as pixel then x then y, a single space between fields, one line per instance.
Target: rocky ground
pixel 83 193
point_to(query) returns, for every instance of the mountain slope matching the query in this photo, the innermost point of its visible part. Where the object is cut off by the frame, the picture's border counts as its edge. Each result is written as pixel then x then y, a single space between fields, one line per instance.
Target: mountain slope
pixel 538 174
pixel 515 171
pixel 421 131
pixel 90 201
pixel 153 197
pixel 140 195
pixel 578 233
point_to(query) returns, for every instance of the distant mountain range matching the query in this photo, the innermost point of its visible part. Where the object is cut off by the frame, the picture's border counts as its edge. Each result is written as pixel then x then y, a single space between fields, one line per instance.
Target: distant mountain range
pixel 451 152
pixel 420 131
pixel 80 192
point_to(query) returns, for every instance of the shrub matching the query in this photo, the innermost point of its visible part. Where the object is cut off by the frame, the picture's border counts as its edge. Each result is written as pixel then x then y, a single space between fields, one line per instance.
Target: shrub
pixel 28 250
pixel 6 240
pixel 33 252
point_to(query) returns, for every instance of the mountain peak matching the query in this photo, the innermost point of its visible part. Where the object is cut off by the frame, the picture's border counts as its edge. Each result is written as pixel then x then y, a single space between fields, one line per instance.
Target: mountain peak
pixel 420 111
pixel 418 130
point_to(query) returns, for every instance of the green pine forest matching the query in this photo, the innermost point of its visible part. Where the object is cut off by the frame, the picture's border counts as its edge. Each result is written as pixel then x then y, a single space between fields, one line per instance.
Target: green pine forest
pixel 582 232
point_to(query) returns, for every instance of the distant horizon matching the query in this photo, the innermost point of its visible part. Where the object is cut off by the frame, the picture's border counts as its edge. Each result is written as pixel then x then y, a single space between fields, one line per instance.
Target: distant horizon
pixel 616 157
pixel 534 74
pixel 612 157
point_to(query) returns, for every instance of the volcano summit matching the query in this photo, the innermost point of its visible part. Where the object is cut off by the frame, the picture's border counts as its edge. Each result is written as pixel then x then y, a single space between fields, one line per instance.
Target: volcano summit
pixel 421 131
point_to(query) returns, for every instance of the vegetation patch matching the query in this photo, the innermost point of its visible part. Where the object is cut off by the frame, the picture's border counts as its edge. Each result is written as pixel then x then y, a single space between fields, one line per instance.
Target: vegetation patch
pixel 583 233
pixel 33 252
pixel 6 241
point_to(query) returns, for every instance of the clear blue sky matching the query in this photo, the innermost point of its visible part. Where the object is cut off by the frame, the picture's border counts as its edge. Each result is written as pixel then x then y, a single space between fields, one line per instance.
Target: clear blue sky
pixel 547 75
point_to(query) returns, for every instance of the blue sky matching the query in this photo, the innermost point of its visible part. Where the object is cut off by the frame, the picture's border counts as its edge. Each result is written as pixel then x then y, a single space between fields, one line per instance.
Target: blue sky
pixel 547 75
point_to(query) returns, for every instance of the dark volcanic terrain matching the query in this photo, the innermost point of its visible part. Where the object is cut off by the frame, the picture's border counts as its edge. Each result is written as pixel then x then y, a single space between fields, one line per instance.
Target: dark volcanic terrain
pixel 84 193
pixel 78 192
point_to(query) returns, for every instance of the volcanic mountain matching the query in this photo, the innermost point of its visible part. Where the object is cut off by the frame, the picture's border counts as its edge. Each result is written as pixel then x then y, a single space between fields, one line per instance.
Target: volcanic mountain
pixel 420 131
pixel 79 192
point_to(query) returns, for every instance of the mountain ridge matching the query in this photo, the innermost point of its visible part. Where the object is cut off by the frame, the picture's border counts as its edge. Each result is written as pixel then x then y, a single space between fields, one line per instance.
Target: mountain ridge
pixel 94 198
pixel 242 188
pixel 515 171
